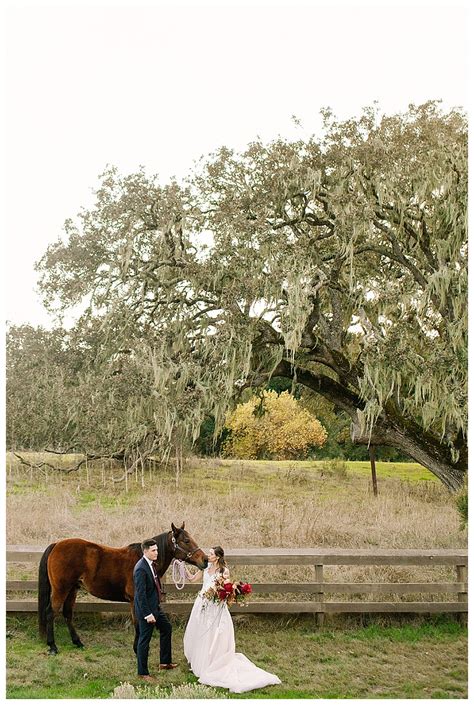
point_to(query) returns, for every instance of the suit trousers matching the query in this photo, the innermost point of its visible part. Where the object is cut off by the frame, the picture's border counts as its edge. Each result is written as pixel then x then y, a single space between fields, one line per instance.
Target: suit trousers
pixel 145 632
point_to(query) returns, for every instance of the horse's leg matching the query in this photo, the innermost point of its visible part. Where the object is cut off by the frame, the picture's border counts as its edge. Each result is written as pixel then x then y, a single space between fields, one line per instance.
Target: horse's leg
pixel 57 600
pixel 68 610
pixel 135 624
pixel 128 593
pixel 135 641
pixel 50 617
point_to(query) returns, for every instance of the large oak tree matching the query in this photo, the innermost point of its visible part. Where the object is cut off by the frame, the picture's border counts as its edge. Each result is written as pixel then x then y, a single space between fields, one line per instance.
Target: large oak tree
pixel 338 261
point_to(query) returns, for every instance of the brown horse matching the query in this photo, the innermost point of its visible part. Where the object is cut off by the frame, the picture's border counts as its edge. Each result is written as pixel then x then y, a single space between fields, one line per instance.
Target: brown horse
pixel 105 572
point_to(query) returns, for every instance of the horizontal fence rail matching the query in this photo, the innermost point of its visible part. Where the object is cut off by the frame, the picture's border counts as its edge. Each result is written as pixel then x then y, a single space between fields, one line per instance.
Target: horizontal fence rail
pixel 319 589
pixel 304 556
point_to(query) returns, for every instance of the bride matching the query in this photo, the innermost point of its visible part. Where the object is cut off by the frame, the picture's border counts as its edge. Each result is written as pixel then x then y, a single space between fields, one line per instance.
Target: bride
pixel 209 643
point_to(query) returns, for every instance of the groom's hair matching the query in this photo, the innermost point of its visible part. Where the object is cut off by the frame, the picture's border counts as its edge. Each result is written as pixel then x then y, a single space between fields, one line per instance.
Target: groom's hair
pixel 148 543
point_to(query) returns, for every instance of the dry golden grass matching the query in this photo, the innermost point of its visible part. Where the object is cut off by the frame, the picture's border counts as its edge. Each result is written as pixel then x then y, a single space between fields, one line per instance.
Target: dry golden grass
pixel 237 505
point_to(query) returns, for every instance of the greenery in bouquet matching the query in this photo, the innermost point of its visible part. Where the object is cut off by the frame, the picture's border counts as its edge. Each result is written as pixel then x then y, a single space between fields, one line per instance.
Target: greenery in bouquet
pixel 225 591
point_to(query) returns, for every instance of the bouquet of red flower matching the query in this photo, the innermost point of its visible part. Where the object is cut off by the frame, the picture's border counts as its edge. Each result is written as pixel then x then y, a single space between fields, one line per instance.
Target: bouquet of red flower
pixel 224 591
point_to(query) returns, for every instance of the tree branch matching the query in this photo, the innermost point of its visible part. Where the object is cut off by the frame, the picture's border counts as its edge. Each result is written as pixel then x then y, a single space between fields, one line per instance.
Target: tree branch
pixel 89 456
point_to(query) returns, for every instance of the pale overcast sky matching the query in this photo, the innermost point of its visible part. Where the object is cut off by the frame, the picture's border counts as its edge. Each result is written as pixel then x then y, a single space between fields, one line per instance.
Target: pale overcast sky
pixel 163 83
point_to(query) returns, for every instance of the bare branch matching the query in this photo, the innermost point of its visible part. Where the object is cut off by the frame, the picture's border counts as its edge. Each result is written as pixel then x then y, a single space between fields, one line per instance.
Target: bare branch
pixel 74 468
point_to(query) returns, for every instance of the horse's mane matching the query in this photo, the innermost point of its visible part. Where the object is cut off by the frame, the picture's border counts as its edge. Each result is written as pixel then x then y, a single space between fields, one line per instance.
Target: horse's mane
pixel 161 542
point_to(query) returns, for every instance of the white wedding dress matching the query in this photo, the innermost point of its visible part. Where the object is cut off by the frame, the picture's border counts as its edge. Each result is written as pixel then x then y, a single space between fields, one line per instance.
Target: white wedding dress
pixel 209 647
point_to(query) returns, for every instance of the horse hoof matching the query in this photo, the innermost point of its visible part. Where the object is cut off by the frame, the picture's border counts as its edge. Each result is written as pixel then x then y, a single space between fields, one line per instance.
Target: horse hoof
pixel 79 644
pixel 52 651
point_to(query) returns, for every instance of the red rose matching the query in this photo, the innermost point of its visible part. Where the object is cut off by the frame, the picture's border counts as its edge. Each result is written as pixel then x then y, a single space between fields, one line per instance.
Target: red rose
pixel 228 587
pixel 246 589
pixel 222 594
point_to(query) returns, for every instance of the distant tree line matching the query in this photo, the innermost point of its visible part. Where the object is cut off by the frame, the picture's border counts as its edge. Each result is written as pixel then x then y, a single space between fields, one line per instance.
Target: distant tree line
pixel 56 401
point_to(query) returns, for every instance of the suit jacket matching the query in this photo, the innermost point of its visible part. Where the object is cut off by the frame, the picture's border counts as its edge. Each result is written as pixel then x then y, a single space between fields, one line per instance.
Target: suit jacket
pixel 146 600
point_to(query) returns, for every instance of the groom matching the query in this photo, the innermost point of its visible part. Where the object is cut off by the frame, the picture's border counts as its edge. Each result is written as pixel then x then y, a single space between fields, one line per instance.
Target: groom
pixel 148 612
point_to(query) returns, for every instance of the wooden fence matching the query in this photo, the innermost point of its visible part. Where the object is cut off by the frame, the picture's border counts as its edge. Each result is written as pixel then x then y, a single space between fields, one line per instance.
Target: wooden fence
pixel 318 590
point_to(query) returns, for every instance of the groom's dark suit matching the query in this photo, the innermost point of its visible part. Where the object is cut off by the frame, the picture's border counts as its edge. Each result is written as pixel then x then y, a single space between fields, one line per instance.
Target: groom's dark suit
pixel 146 602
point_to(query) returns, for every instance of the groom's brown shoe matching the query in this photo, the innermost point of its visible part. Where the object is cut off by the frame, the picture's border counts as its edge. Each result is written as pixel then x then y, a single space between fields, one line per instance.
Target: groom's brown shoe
pixel 148 679
pixel 167 666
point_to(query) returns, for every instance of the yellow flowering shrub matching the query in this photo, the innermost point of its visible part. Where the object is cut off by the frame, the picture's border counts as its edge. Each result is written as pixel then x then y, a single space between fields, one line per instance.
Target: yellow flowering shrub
pixel 282 430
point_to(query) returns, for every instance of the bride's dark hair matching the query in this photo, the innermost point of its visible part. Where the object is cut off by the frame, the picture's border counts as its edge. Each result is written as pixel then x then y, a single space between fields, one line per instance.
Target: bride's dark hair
pixel 219 551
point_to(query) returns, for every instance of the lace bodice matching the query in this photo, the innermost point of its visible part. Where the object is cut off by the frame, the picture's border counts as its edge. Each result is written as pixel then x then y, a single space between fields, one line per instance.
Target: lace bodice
pixel 208 579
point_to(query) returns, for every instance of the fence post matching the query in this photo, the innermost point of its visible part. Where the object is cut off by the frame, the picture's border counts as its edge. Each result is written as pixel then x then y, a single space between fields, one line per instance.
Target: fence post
pixel 374 471
pixel 319 578
pixel 461 576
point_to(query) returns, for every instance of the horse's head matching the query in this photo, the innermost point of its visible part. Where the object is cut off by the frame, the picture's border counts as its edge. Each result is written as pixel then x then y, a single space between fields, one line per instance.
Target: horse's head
pixel 185 547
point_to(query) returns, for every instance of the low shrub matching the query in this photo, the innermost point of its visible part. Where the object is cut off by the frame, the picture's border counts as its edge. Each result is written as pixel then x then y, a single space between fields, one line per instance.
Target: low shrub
pixel 338 468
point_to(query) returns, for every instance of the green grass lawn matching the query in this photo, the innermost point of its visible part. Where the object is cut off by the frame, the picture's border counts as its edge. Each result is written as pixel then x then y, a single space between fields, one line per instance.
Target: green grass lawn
pixel 403 471
pixel 408 470
pixel 304 477
pixel 384 659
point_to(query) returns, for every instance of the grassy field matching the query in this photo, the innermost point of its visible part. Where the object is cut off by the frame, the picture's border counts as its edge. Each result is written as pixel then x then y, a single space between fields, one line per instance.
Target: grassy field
pixel 413 660
pixel 251 504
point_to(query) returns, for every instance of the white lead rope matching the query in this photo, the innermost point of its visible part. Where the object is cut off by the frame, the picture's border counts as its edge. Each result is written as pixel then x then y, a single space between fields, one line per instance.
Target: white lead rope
pixel 179 574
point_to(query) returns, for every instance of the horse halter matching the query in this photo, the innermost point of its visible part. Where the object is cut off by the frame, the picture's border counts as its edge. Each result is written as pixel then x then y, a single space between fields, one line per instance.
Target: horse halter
pixel 177 547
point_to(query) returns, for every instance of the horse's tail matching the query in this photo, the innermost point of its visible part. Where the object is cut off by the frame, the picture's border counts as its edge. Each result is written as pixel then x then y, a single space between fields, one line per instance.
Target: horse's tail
pixel 44 590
